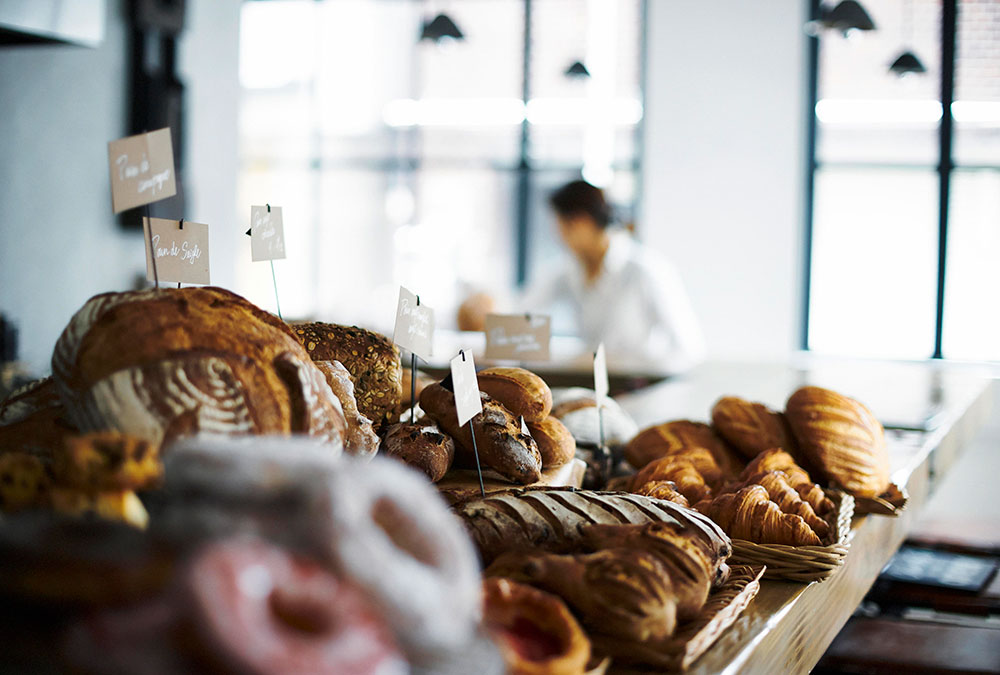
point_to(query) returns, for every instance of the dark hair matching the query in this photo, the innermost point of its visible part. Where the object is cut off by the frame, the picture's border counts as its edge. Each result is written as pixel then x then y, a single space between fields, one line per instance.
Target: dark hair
pixel 581 198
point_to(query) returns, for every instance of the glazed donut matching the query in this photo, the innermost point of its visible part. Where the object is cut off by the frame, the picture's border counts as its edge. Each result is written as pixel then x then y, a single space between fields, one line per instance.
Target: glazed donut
pixel 262 610
pixel 392 535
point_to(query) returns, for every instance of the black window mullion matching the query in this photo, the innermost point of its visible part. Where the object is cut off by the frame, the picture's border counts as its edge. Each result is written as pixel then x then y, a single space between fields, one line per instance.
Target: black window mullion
pixel 949 30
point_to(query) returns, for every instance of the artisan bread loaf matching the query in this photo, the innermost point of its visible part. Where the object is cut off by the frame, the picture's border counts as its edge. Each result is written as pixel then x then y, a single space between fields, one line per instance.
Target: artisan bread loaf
pixel 518 390
pixel 360 439
pixel 841 438
pixel 422 446
pixel 663 439
pixel 501 443
pixel 576 408
pixel 551 519
pixel 750 427
pixel 159 364
pixel 555 443
pixel 372 360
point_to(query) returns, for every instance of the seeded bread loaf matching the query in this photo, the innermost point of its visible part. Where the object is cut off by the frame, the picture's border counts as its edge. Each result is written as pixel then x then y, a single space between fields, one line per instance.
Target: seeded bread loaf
pixel 370 358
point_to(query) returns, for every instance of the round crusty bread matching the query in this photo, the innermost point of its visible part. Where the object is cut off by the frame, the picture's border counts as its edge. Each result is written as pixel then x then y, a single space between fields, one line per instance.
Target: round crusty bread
pixel 518 390
pixel 423 446
pixel 842 438
pixel 159 364
pixel 555 443
pixel 370 358
pixel 750 427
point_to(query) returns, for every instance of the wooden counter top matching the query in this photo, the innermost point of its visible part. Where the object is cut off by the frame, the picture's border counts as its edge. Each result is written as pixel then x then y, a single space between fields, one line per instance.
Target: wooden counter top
pixel 931 412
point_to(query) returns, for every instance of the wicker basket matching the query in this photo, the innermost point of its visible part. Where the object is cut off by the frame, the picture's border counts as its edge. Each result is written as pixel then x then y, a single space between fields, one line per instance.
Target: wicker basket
pixel 889 503
pixel 803 563
pixel 693 638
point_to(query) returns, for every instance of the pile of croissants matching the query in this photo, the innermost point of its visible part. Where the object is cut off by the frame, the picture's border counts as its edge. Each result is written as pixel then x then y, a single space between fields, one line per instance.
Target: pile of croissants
pixel 751 470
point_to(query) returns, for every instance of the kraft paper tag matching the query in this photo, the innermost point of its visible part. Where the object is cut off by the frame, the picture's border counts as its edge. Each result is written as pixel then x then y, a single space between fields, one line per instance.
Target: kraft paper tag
pixel 142 169
pixel 518 337
pixel 267 234
pixel 601 387
pixel 414 329
pixel 468 403
pixel 181 254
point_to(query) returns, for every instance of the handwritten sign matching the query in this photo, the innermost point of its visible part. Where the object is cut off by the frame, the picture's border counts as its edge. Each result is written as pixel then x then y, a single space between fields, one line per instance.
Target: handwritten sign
pixel 518 337
pixel 414 329
pixel 466 387
pixel 181 254
pixel 601 387
pixel 142 169
pixel 267 234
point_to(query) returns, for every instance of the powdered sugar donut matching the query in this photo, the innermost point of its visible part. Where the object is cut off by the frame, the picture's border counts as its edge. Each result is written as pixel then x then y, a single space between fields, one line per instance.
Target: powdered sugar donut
pixel 263 610
pixel 392 534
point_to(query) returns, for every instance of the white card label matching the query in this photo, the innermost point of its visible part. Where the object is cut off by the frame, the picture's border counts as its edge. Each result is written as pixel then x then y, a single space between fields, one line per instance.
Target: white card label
pixel 181 254
pixel 267 234
pixel 601 387
pixel 414 329
pixel 518 337
pixel 464 382
pixel 142 169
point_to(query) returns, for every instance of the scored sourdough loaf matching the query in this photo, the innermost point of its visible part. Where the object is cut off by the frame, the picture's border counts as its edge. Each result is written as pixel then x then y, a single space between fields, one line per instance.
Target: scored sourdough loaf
pixel 751 427
pixel 502 445
pixel 841 438
pixel 371 358
pixel 518 390
pixel 551 519
pixel 164 363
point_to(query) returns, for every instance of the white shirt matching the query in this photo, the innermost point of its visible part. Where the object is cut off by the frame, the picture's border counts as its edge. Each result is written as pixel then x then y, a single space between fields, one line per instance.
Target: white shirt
pixel 636 306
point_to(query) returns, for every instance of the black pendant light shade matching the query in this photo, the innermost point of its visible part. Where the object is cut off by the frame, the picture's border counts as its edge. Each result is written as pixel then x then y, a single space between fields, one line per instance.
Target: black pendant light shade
pixel 906 63
pixel 847 16
pixel 441 27
pixel 577 70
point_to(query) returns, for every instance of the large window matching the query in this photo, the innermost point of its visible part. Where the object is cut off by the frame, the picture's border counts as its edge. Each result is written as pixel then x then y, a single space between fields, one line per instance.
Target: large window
pixel 407 161
pixel 893 178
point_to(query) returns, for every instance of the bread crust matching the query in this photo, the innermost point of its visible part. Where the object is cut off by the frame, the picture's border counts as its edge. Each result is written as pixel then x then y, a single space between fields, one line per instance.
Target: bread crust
pixel 751 427
pixel 842 438
pixel 519 390
pixel 555 443
pixel 424 447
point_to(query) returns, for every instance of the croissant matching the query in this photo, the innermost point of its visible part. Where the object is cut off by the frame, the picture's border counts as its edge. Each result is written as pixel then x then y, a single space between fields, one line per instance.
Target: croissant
pixel 662 489
pixel 623 593
pixel 750 427
pixel 662 439
pixel 789 501
pixel 751 515
pixel 702 459
pixel 693 568
pixel 777 459
pixel 690 482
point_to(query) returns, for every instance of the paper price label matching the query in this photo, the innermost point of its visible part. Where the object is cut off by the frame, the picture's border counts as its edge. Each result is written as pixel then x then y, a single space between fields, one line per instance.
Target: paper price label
pixel 181 254
pixel 414 329
pixel 142 169
pixel 468 403
pixel 601 387
pixel 267 234
pixel 518 337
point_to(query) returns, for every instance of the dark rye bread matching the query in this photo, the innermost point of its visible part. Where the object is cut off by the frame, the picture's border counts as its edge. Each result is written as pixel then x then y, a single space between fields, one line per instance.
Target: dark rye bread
pixel 371 359
pixel 551 519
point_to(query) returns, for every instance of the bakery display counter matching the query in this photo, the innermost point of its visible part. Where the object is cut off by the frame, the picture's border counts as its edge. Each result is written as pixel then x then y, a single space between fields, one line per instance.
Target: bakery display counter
pixel 930 412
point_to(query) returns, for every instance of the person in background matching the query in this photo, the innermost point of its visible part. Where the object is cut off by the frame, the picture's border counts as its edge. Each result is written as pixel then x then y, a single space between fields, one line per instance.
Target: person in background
pixel 617 291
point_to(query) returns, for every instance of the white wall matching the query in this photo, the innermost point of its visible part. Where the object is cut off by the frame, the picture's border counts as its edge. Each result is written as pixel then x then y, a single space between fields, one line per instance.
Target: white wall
pixel 59 106
pixel 724 147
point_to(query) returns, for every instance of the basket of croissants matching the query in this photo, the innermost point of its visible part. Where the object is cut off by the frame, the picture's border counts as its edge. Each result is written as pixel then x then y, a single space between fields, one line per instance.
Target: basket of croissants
pixel 752 471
